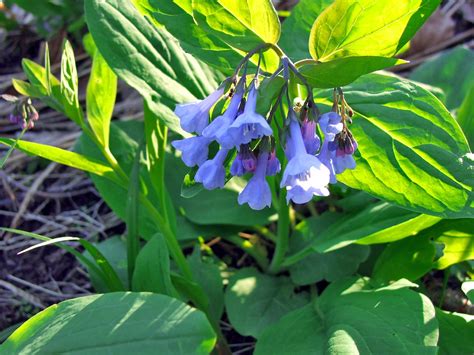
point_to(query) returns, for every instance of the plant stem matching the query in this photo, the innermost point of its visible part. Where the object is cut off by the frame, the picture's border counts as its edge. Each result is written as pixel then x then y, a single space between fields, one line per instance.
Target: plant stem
pixel 267 233
pixel 282 234
pixel 173 245
pixel 250 249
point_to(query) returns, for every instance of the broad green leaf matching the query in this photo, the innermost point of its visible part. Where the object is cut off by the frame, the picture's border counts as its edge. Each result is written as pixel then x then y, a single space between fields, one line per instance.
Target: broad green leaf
pixel 221 207
pixel 451 71
pixel 101 92
pixel 343 71
pixel 176 17
pixel 455 333
pixel 378 223
pixel 254 301
pixel 241 24
pixel 114 249
pixel 410 258
pixel 70 85
pixel 466 116
pixel 458 239
pixel 411 150
pixel 367 27
pixel 65 157
pixel 147 58
pixel 132 214
pixel 329 266
pixel 468 288
pixel 118 323
pixel 180 23
pixel 152 268
pixel 296 28
pixel 208 276
pixel 356 319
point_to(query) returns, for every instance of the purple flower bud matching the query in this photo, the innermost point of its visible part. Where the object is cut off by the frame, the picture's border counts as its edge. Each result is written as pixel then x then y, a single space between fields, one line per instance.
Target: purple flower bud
pixel 244 162
pixel 310 138
pixel 257 192
pixel 212 173
pixel 195 150
pixel 273 165
pixel 34 116
pixel 331 125
pixel 195 116
pixel 249 125
pixel 304 175
pixel 345 145
pixel 217 129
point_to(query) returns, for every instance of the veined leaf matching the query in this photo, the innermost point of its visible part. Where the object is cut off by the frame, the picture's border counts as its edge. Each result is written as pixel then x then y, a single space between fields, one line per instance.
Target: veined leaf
pixel 367 27
pixel 378 223
pixel 410 258
pixel 452 71
pixel 241 24
pixel 458 239
pixel 101 93
pixel 411 152
pixel 466 116
pixel 351 317
pixel 152 268
pixel 297 27
pixel 115 322
pixel 343 71
pixel 65 157
pixel 455 332
pixel 70 85
pixel 254 301
pixel 148 58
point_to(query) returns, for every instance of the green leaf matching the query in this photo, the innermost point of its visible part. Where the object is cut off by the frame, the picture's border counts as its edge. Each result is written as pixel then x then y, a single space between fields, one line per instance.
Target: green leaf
pixel 468 288
pixel 101 92
pixel 180 23
pixel 296 28
pixel 410 258
pixel 65 157
pixel 221 207
pixel 70 85
pixel 354 318
pixel 343 71
pixel 208 276
pixel 329 266
pixel 455 333
pixel 378 223
pixel 254 301
pixel 411 150
pixel 114 251
pixel 365 27
pixel 119 323
pixel 466 116
pixel 152 268
pixel 132 214
pixel 147 58
pixel 458 239
pixel 451 71
pixel 241 24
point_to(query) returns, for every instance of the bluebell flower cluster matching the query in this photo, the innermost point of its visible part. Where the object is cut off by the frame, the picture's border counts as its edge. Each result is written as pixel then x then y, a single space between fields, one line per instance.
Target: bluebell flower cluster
pixel 316 147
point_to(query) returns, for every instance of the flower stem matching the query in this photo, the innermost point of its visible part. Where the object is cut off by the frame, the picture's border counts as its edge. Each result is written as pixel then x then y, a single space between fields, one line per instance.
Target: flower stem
pixel 250 249
pixel 283 231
